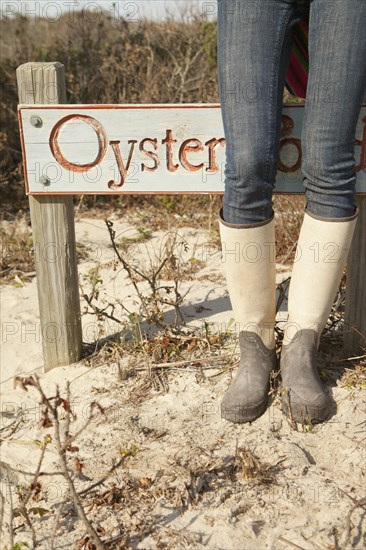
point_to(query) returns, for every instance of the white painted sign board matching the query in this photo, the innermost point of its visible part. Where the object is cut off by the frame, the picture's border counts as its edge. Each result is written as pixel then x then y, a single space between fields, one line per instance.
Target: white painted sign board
pixel 149 148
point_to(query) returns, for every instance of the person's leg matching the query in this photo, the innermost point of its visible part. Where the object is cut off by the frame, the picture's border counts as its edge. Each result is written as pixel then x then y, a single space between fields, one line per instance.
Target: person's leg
pixel 337 79
pixel 254 40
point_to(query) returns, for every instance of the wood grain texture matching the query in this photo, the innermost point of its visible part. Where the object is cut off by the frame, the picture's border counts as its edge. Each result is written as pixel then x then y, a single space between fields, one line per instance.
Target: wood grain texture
pixel 52 220
pixel 355 314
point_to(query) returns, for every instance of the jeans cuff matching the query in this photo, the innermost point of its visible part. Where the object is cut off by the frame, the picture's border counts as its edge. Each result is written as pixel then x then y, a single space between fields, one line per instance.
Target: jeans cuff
pixel 242 225
pixel 332 219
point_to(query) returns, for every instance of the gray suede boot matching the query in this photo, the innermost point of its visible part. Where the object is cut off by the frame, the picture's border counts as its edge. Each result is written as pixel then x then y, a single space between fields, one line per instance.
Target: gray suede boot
pixel 303 398
pixel 247 396
pixel 248 259
pixel 315 278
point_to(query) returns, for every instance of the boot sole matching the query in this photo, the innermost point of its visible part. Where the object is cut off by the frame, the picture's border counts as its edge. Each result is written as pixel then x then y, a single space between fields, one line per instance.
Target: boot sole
pixel 241 415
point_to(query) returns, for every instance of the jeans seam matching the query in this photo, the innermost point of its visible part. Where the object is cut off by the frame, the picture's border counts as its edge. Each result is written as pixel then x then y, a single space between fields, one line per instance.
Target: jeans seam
pixel 275 84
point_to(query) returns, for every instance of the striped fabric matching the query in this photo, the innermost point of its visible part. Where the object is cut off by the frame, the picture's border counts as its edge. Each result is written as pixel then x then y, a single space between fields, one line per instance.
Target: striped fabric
pixel 297 74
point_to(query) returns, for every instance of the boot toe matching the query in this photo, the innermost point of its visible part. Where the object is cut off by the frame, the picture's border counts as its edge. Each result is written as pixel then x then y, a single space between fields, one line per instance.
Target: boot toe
pixel 307 411
pixel 239 413
pixel 241 408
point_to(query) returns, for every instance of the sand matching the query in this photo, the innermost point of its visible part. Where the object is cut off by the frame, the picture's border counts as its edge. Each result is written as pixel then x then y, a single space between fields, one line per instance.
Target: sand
pixel 183 488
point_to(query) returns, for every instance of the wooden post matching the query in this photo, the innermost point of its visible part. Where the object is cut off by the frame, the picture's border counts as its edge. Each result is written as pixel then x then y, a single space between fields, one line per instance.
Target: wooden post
pixel 355 314
pixel 52 220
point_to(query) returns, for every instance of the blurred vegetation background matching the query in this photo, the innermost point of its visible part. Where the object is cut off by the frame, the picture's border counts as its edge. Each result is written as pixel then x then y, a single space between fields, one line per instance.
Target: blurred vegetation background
pixel 107 60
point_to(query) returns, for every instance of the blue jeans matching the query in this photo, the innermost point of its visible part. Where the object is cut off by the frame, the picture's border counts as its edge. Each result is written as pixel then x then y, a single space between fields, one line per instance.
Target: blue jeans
pixel 254 42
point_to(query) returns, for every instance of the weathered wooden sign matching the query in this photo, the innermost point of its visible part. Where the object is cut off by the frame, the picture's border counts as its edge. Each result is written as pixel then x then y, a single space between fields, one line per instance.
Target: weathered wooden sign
pixel 154 148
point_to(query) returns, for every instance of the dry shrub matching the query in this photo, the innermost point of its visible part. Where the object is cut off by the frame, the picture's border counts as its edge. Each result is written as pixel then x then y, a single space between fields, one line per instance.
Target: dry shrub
pixel 17 258
pixel 290 213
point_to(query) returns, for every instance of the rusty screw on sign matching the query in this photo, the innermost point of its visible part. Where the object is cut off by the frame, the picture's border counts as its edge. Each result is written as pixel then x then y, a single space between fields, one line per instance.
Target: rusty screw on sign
pixel 36 121
pixel 45 180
